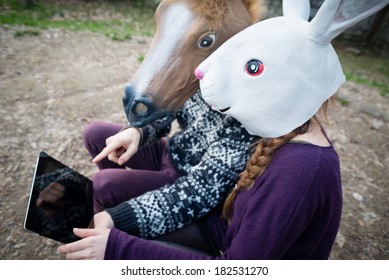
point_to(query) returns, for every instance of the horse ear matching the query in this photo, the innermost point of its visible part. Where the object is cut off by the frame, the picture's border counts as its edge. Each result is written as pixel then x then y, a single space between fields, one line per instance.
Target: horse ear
pixel 299 8
pixel 335 16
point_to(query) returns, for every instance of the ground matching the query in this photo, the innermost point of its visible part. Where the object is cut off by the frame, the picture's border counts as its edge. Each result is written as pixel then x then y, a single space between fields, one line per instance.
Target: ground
pixel 53 84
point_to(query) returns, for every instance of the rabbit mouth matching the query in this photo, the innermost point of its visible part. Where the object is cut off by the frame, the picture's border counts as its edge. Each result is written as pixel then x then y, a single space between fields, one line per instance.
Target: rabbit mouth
pixel 224 110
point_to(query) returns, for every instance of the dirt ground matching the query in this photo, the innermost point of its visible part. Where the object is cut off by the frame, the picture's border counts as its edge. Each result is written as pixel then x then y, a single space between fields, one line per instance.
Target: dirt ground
pixel 53 84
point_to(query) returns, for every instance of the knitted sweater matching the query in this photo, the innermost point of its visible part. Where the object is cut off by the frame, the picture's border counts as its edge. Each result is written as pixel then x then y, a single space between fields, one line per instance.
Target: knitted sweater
pixel 210 150
pixel 292 211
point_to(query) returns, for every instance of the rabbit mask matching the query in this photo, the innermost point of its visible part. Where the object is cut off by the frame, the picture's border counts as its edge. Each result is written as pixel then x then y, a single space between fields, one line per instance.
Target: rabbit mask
pixel 274 75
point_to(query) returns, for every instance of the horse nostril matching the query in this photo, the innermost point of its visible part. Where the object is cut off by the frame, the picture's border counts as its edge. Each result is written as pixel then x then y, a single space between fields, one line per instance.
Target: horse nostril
pixel 199 74
pixel 141 109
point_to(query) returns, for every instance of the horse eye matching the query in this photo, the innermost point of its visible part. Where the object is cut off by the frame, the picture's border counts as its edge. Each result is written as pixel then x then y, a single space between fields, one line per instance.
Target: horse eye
pixel 254 67
pixel 206 41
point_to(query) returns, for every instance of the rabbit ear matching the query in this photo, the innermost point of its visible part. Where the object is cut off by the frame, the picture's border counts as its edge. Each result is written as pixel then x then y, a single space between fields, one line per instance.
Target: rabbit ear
pixel 335 16
pixel 299 8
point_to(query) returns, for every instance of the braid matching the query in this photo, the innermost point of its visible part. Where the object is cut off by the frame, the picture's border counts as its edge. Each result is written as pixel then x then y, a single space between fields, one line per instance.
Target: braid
pixel 257 164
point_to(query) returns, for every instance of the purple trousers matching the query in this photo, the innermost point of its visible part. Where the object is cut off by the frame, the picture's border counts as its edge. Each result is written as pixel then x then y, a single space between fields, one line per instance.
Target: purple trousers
pixel 150 168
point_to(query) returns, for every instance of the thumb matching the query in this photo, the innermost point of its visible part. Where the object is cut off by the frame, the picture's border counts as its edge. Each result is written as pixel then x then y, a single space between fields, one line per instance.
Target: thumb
pixel 85 232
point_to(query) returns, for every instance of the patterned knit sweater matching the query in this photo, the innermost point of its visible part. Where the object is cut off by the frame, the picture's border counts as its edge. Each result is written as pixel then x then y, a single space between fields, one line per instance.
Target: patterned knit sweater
pixel 211 149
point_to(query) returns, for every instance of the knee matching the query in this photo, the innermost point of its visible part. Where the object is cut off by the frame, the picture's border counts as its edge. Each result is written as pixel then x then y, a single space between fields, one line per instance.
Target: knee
pixel 101 184
pixel 106 190
pixel 101 192
pixel 91 132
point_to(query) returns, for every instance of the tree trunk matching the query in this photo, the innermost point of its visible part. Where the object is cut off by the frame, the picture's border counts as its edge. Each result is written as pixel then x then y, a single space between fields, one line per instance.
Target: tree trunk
pixel 28 3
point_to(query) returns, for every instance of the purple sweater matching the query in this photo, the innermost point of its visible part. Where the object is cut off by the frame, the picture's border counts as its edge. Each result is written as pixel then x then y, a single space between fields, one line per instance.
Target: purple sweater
pixel 292 212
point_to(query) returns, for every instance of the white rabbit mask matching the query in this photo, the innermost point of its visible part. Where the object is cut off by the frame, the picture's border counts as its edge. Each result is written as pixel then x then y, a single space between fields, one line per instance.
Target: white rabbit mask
pixel 274 75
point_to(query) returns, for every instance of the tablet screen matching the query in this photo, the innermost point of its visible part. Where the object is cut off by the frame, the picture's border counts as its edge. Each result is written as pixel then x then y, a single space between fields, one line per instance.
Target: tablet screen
pixel 60 200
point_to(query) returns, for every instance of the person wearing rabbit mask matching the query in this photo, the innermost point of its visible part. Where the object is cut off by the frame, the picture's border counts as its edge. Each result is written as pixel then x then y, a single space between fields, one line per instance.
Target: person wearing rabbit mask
pixel 273 77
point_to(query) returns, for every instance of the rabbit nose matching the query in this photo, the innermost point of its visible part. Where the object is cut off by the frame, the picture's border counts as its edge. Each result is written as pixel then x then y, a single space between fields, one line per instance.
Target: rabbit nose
pixel 199 74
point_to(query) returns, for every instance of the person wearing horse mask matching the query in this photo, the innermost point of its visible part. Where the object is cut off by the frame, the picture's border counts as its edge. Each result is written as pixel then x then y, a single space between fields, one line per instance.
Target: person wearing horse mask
pixel 288 201
pixel 153 181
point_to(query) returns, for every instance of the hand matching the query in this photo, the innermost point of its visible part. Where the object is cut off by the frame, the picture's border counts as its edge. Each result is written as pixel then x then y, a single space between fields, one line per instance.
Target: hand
pixel 103 220
pixel 121 146
pixel 50 199
pixel 90 247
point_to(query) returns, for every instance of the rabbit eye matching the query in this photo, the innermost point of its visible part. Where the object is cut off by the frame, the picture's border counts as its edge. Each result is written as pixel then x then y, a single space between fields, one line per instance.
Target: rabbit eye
pixel 254 67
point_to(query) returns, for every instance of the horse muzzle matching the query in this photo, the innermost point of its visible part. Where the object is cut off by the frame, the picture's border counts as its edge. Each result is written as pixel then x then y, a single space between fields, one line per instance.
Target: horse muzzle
pixel 141 111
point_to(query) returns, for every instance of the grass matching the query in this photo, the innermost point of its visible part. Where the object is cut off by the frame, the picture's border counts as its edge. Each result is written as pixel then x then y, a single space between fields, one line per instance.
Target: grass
pixel 118 20
pixel 383 87
pixel 368 67
pixel 22 33
pixel 343 102
pixel 141 58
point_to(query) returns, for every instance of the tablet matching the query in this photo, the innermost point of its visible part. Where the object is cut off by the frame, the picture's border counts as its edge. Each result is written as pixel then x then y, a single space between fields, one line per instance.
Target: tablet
pixel 60 200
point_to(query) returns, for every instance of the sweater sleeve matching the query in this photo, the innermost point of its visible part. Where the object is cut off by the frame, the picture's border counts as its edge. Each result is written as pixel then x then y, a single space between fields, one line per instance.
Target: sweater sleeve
pixel 192 196
pixel 150 133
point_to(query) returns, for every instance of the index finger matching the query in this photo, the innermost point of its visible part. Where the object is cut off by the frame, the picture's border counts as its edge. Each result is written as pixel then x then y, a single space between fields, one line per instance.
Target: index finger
pixel 104 153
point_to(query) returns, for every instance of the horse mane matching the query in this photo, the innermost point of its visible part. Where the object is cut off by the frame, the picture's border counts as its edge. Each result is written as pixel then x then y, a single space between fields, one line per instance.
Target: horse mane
pixel 256 9
pixel 217 9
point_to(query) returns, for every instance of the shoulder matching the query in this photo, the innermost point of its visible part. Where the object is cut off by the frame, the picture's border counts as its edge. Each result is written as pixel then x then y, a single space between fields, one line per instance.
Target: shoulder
pixel 302 167
pixel 304 155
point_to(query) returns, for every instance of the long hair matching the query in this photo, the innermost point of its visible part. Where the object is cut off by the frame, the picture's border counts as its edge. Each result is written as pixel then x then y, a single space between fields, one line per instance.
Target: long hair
pixel 260 158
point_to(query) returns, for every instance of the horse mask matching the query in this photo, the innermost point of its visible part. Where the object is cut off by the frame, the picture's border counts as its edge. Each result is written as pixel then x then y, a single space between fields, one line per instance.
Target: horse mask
pixel 187 31
pixel 274 75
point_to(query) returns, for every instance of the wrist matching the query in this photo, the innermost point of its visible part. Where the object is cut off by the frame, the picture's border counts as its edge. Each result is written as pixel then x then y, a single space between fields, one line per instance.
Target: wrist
pixel 124 218
pixel 103 220
pixel 140 131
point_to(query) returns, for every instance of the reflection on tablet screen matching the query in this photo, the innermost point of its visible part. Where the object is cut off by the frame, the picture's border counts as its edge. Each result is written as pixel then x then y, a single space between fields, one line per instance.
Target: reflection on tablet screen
pixel 60 200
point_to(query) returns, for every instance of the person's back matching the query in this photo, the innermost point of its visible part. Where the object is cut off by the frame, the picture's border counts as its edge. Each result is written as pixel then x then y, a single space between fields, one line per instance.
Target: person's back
pixel 298 200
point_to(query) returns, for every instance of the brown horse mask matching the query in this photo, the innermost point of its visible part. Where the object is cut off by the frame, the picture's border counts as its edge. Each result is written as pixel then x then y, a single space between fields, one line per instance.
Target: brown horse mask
pixel 187 32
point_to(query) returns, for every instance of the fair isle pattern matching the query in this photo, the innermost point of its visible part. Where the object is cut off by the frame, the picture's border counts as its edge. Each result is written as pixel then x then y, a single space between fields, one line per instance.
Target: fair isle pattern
pixel 211 150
